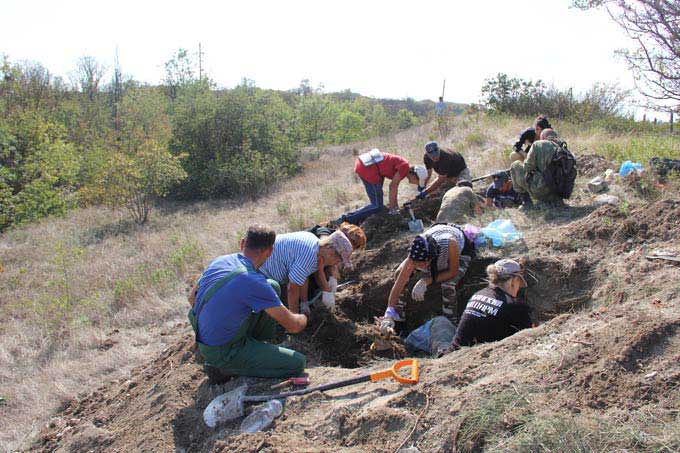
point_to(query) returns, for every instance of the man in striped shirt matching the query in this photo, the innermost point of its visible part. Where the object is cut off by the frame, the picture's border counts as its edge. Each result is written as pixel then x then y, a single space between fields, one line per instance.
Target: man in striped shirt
pixel 297 256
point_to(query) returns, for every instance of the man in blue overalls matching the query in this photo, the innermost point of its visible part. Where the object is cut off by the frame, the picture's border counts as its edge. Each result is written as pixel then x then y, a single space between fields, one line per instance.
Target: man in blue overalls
pixel 237 308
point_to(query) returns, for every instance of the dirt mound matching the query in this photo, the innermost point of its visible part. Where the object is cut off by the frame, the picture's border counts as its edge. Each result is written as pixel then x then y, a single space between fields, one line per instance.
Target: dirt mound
pixel 617 227
pixel 593 165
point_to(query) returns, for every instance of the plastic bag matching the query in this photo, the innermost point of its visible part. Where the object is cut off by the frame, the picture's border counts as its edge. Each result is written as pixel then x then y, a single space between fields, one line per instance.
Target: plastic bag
pixel 433 336
pixel 628 167
pixel 501 232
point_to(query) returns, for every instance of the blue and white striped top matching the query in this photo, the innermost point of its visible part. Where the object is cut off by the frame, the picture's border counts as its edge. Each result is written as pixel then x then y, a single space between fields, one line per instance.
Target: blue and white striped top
pixel 443 234
pixel 294 259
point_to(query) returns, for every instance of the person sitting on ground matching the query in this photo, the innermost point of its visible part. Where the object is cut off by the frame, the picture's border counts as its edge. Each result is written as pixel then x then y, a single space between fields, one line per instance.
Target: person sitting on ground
pixel 449 165
pixel 459 203
pixel 500 193
pixel 443 254
pixel 527 176
pixel 328 286
pixel 494 312
pixel 373 167
pixel 236 309
pixel 297 256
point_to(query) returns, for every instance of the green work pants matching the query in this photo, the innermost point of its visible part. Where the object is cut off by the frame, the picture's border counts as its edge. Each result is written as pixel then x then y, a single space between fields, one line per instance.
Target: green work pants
pixel 248 355
pixel 538 190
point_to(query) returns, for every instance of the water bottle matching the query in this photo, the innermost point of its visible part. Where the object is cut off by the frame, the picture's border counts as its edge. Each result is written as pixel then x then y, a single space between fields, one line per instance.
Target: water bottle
pixel 262 417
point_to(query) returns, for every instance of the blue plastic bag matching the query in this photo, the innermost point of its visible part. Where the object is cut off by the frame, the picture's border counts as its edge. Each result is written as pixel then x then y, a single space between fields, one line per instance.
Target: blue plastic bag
pixel 433 336
pixel 628 167
pixel 501 232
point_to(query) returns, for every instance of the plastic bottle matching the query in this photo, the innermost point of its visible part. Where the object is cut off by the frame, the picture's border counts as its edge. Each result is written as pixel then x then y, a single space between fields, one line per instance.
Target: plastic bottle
pixel 262 417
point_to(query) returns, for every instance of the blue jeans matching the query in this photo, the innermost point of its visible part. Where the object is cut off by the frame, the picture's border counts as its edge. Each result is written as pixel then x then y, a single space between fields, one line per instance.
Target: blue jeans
pixel 375 196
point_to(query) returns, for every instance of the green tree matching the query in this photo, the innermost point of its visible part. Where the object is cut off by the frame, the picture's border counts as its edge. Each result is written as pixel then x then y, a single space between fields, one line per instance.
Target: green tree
pixel 405 119
pixel 349 127
pixel 142 169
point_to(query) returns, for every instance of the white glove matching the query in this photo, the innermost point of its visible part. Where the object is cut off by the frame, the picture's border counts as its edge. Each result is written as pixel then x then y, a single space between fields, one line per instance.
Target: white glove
pixel 304 308
pixel 328 299
pixel 418 292
pixel 333 283
pixel 386 326
pixel 391 312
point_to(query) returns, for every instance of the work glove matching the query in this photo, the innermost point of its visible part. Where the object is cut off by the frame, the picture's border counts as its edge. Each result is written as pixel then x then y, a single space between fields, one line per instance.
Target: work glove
pixel 333 283
pixel 418 292
pixel 391 313
pixel 304 308
pixel 393 211
pixel 421 195
pixel 328 299
pixel 387 326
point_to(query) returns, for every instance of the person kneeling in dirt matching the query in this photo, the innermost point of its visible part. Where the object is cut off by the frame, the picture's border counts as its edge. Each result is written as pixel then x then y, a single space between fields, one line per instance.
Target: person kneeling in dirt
pixel 372 168
pixel 449 165
pixel 237 308
pixel 326 278
pixel 500 193
pixel 494 312
pixel 443 253
pixel 528 177
pixel 299 255
pixel 527 137
pixel 459 203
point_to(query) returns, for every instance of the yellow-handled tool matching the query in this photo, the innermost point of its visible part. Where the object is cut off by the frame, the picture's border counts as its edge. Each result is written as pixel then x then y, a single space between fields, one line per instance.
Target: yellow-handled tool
pixel 231 405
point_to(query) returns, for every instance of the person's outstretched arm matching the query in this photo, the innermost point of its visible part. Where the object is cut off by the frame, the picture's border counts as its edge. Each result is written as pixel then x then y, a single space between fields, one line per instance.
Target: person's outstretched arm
pixel 407 269
pixel 292 322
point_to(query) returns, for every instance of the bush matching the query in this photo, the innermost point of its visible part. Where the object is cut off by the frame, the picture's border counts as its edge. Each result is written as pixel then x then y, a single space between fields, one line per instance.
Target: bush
pixel 405 119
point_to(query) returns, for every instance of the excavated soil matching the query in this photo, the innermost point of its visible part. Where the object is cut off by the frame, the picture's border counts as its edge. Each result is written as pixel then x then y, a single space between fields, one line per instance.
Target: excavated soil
pixel 593 165
pixel 607 341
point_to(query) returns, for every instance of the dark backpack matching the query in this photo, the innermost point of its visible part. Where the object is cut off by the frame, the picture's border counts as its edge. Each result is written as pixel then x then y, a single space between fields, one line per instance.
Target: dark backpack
pixel 560 175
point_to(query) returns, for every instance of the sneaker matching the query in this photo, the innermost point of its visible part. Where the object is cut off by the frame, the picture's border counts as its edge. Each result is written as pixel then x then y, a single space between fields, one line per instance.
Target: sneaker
pixel 527 204
pixel 215 375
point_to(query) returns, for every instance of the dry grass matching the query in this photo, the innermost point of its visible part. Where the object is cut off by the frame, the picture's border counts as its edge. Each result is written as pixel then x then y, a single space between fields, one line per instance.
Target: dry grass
pixel 87 297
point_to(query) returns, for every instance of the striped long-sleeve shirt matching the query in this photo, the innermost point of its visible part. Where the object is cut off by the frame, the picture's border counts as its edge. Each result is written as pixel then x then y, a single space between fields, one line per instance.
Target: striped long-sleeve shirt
pixel 294 259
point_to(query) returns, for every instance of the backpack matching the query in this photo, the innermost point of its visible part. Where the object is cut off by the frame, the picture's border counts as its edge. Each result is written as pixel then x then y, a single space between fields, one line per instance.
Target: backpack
pixel 560 175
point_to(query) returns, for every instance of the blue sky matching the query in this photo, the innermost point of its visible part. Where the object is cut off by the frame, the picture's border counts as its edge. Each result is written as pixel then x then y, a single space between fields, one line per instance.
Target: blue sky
pixel 378 48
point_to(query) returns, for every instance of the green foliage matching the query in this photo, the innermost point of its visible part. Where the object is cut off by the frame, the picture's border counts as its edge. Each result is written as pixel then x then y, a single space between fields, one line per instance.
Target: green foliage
pixel 520 97
pixel 141 169
pixel 405 119
pixel 349 127
pixel 127 144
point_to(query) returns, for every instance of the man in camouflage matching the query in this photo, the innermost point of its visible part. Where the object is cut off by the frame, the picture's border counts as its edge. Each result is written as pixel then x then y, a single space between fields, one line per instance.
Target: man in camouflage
pixel 527 176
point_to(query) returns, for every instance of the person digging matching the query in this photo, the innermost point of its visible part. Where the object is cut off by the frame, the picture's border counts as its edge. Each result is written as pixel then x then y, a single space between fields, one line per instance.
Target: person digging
pixel 235 312
pixel 494 312
pixel 372 168
pixel 443 254
pixel 326 278
pixel 299 255
pixel 449 165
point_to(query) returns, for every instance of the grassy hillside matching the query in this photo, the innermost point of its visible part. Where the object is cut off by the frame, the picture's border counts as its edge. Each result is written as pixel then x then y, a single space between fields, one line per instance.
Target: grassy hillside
pixel 88 297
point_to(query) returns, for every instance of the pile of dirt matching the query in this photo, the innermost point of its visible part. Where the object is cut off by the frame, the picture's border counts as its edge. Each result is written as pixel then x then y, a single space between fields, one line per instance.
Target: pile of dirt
pixel 593 165
pixel 657 222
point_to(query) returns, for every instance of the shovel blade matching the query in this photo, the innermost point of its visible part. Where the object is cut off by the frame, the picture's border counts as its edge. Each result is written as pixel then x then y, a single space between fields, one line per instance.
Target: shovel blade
pixel 416 226
pixel 226 407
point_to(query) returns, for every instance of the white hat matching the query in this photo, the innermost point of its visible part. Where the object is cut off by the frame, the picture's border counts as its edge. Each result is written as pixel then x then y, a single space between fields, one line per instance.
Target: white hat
pixel 421 172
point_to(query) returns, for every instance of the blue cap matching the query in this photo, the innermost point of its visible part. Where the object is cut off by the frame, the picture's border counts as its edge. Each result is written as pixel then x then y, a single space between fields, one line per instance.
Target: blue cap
pixel 499 179
pixel 432 149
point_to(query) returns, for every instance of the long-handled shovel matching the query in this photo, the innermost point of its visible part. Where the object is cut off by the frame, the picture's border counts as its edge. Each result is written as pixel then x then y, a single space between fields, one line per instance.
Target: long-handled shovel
pixel 231 405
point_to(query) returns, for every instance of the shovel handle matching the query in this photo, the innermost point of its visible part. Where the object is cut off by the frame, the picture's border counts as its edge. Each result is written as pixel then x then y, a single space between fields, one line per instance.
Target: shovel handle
pixel 394 372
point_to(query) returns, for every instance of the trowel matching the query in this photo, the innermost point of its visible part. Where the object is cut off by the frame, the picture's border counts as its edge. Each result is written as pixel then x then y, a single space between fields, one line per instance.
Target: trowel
pixel 414 225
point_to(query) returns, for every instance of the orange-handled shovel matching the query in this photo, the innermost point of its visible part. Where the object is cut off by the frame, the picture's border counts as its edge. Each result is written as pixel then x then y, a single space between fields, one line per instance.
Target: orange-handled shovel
pixel 231 405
